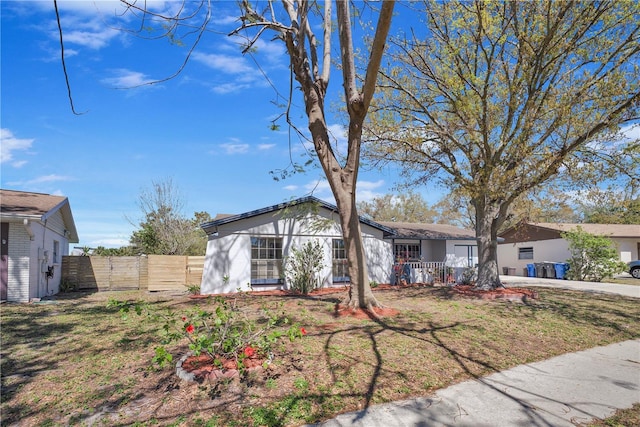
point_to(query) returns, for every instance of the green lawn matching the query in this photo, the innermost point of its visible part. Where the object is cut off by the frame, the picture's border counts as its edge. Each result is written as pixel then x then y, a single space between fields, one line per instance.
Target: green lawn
pixel 74 361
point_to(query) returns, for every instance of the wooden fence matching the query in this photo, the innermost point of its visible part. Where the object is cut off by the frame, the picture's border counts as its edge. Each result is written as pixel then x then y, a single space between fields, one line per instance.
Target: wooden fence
pixel 153 272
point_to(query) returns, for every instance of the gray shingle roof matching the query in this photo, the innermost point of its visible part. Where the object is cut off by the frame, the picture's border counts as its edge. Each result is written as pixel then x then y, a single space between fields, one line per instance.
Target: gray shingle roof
pixel 408 230
pixel 20 205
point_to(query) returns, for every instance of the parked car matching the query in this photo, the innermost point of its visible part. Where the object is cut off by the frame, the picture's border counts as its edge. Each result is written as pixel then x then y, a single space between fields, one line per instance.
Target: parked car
pixel 634 269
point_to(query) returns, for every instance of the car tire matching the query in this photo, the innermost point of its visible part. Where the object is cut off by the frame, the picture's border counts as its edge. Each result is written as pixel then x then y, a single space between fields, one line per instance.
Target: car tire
pixel 635 272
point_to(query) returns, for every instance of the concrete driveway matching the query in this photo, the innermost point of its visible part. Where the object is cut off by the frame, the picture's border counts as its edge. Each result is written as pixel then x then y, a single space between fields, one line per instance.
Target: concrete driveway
pixel 607 288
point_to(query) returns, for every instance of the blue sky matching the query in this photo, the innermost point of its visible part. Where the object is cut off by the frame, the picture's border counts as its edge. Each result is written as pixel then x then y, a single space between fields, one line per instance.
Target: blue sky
pixel 208 129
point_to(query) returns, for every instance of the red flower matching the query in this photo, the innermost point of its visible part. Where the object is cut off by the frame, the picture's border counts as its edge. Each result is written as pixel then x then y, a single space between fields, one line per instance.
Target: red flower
pixel 303 331
pixel 249 351
pixel 190 328
pixel 184 319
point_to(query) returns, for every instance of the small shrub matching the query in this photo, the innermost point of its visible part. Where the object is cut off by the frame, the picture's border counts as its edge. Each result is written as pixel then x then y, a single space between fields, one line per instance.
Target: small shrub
pixel 593 257
pixel 193 289
pixel 302 267
pixel 469 276
pixel 67 286
pixel 224 333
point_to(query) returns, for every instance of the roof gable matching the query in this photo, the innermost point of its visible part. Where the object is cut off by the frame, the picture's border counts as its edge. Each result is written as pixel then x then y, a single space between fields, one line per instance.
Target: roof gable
pixel 28 204
pixel 526 232
pixel 220 219
pixel 37 206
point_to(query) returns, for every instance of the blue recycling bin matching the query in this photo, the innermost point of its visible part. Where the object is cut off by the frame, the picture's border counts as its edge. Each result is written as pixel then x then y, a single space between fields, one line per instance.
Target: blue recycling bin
pixel 561 269
pixel 531 270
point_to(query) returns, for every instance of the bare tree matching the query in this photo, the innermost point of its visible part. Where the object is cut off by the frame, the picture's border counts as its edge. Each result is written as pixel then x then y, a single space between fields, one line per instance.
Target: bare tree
pixel 164 229
pixel 405 206
pixel 497 98
pixel 310 62
pixel 311 66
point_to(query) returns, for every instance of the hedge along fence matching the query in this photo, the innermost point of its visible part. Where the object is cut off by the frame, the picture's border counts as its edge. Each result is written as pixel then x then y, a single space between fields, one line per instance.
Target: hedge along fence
pixel 152 272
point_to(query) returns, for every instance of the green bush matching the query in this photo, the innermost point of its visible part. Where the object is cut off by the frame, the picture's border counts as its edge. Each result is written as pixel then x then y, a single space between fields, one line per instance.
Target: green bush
pixel 224 333
pixel 593 257
pixel 302 267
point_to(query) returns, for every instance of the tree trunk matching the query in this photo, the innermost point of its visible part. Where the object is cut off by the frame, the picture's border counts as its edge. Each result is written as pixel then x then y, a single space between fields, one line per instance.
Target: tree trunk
pixel 487 223
pixel 360 294
pixel 343 186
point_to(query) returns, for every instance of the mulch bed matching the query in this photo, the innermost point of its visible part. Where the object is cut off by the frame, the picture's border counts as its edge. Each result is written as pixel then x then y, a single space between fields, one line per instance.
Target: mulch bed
pixel 202 367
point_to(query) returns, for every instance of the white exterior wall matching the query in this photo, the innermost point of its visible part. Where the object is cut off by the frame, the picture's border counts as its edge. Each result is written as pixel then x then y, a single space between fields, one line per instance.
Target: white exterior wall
pixel 26 262
pixel 454 260
pixel 554 250
pixel 628 249
pixel 229 253
pixel 379 256
pixel 19 277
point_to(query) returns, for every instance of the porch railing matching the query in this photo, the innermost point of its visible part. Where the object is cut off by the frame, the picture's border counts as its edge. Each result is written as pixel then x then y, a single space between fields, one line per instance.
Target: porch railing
pixel 422 272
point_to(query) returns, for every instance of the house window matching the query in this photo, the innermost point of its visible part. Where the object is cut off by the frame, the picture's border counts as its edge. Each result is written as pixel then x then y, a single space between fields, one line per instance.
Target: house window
pixel 466 255
pixel 340 266
pixel 525 253
pixel 56 250
pixel 406 252
pixel 266 260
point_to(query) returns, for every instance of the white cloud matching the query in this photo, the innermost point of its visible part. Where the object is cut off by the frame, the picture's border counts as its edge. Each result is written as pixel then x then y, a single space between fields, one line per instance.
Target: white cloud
pixel 225 88
pixel 365 190
pixel 124 78
pixel 231 148
pixel 11 144
pixel 369 185
pixel 48 179
pixel 226 20
pixel 45 179
pixel 263 147
pixel 91 39
pixel 291 187
pixel 273 51
pixel 319 186
pixel 226 63
pixel 338 137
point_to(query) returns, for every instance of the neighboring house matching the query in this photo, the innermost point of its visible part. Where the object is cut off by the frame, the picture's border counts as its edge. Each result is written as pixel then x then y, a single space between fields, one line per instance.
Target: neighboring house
pixel 530 243
pixel 246 251
pixel 36 231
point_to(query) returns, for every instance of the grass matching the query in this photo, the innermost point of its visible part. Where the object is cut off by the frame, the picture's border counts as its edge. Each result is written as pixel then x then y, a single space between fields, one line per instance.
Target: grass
pixel 624 281
pixel 76 362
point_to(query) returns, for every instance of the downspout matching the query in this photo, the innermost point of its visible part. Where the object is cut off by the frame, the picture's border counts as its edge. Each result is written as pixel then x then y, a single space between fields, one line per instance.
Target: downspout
pixel 27 226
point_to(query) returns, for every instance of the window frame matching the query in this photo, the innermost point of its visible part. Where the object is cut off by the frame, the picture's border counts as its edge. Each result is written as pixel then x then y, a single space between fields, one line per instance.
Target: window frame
pixel 525 250
pixel 402 249
pixel 266 260
pixel 339 262
pixel 56 252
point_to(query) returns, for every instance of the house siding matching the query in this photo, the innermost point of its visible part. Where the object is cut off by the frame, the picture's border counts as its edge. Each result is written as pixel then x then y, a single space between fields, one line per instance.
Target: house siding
pixel 19 264
pixel 628 248
pixel 26 263
pixel 229 253
pixel 548 245
pixel 554 250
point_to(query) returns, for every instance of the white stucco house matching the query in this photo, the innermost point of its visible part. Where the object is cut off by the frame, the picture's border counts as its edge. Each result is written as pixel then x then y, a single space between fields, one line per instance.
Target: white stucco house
pixel 245 251
pixel 530 243
pixel 36 231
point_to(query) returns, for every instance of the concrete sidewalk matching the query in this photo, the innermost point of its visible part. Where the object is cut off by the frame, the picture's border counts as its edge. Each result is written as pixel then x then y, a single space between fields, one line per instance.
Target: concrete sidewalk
pixel 596 287
pixel 562 391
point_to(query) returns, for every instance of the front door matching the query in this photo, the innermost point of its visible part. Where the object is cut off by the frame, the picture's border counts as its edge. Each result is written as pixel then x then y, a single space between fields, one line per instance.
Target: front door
pixel 4 260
